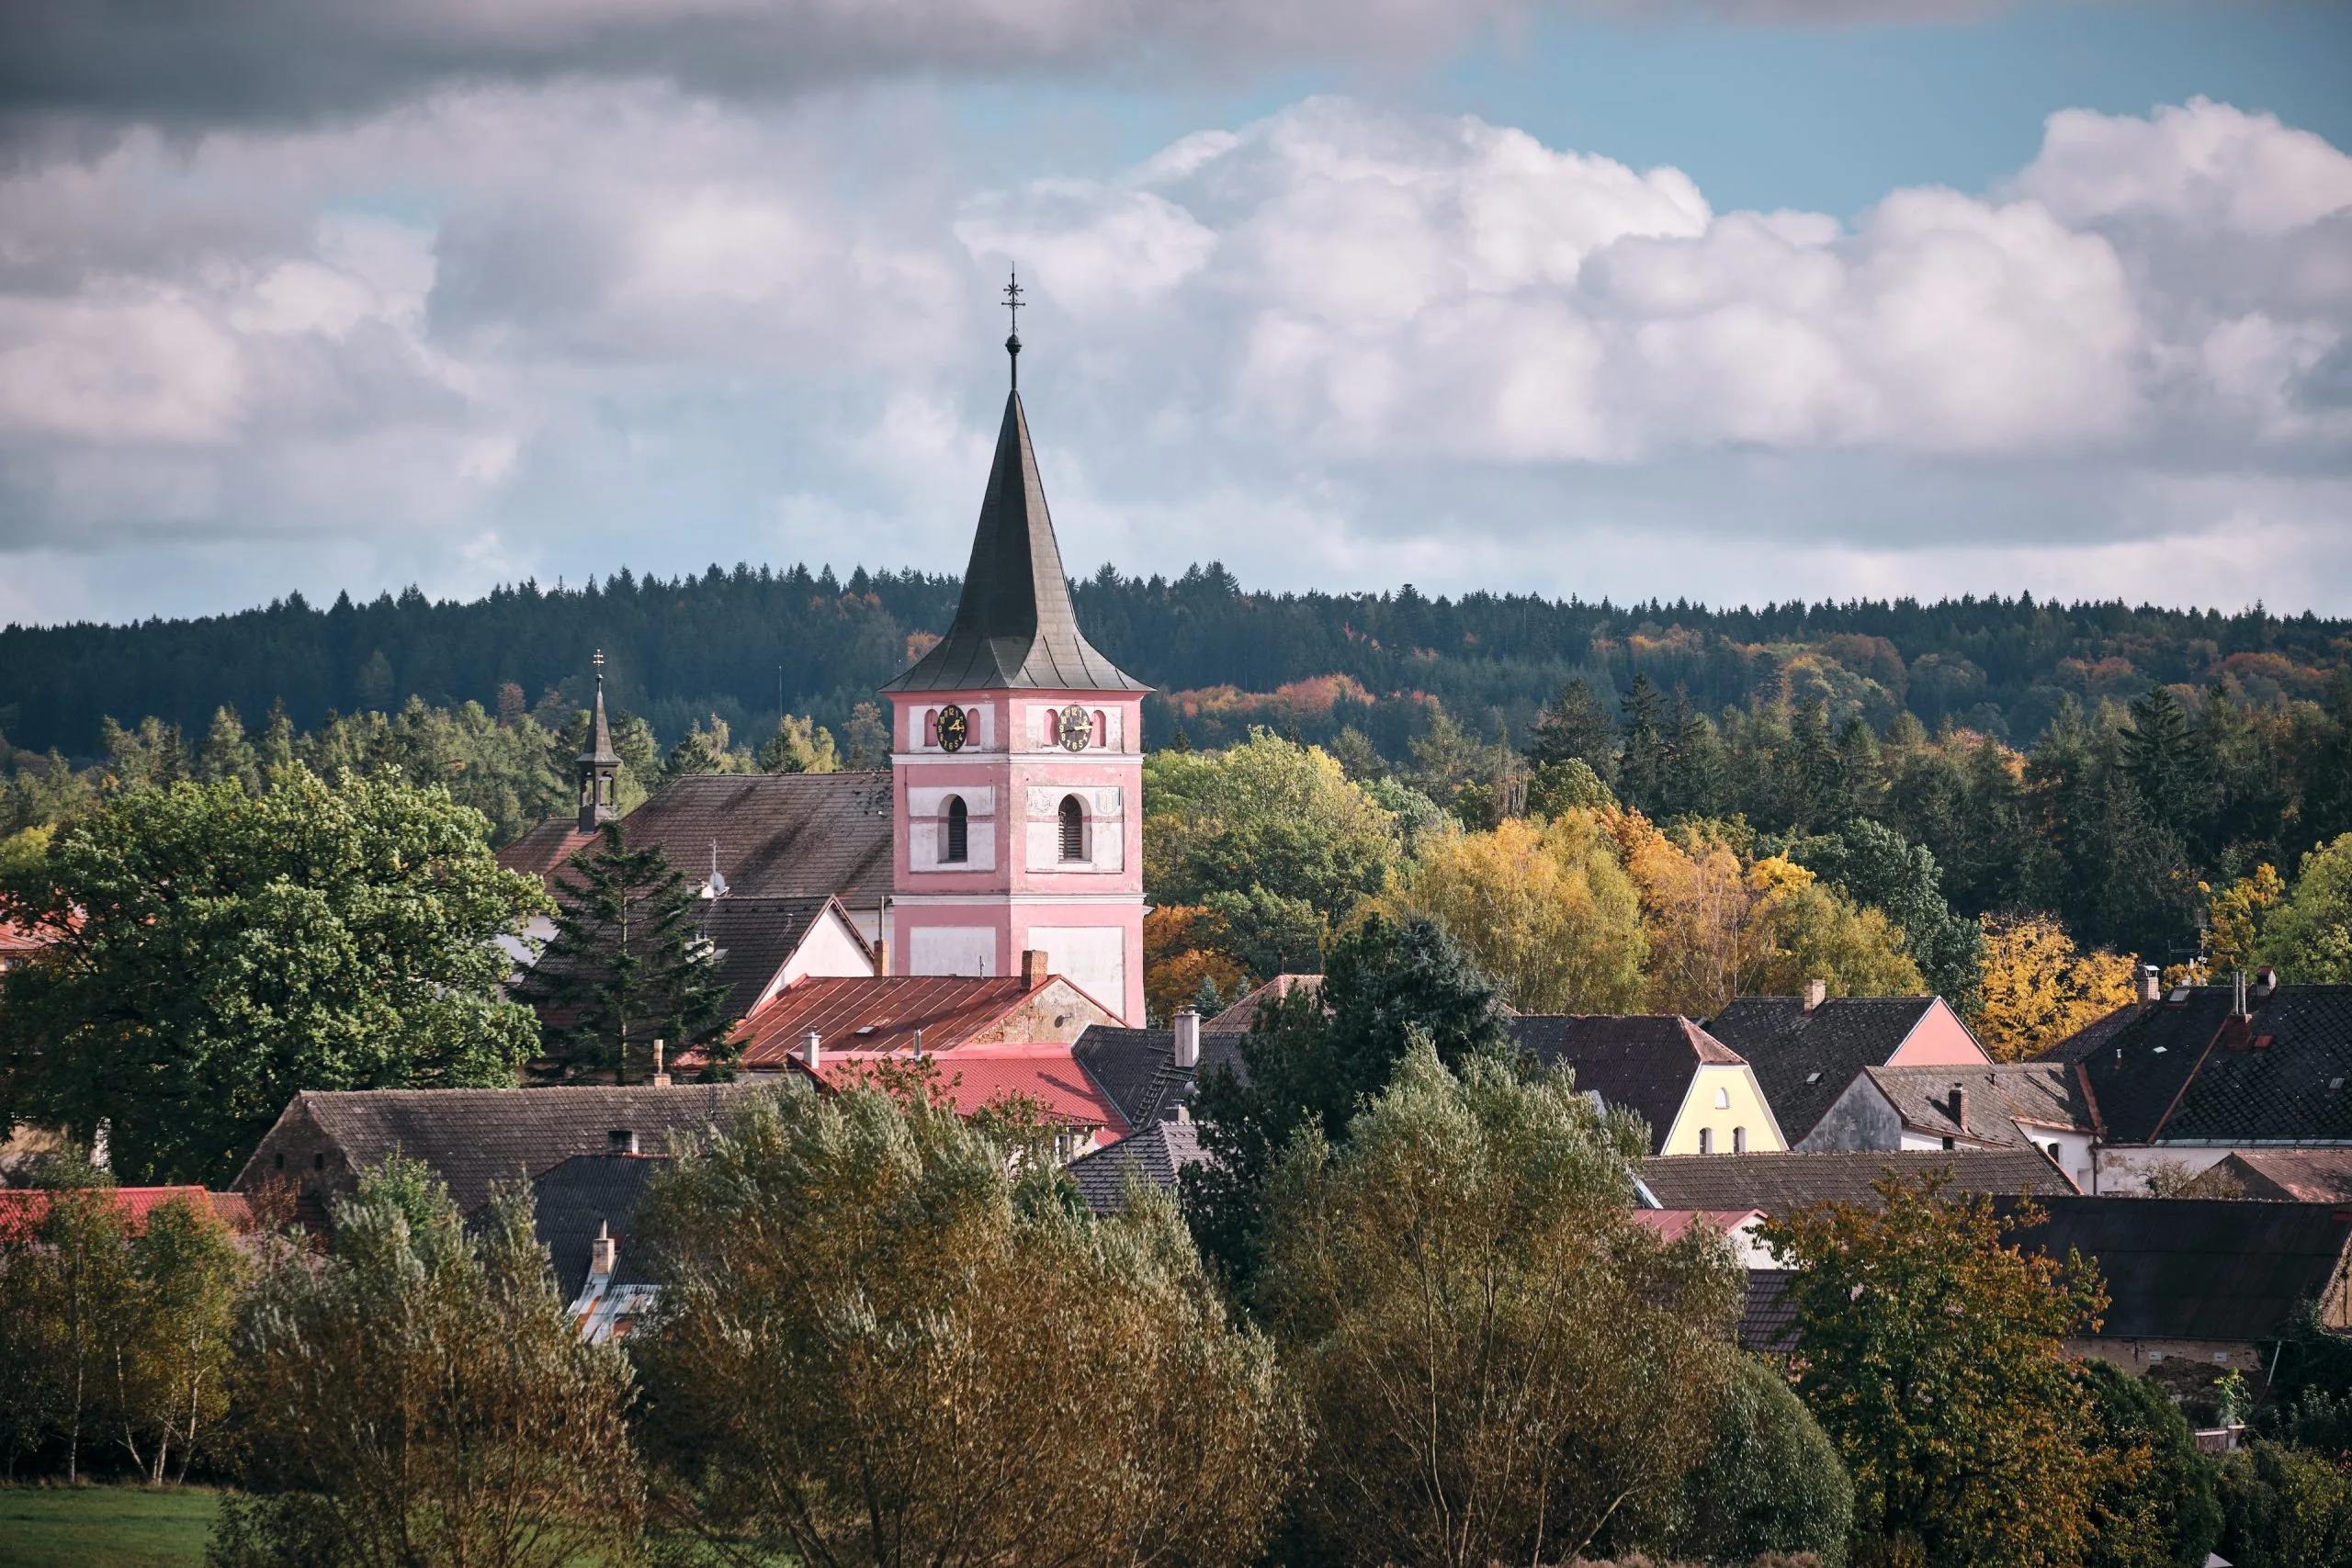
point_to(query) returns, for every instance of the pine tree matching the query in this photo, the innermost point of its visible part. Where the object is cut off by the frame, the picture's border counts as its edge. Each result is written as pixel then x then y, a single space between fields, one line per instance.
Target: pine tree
pixel 1574 724
pixel 1640 770
pixel 627 965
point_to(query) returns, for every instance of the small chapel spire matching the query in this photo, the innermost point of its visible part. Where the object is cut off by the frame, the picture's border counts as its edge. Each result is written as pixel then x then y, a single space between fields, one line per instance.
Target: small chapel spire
pixel 599 765
pixel 1013 309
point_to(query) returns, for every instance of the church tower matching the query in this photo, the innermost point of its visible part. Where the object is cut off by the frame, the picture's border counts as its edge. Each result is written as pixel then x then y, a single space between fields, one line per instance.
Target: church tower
pixel 598 765
pixel 1017 751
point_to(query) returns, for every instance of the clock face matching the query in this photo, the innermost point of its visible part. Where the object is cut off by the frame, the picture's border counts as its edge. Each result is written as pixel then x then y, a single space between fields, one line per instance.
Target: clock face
pixel 1077 730
pixel 953 728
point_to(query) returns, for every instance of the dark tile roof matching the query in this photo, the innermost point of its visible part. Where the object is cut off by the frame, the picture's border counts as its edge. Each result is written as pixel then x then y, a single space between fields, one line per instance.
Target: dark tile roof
pixel 779 835
pixel 2091 1036
pixel 1778 1184
pixel 1804 1061
pixel 2297 1176
pixel 1237 1019
pixel 2198 1267
pixel 1137 1067
pixel 1644 1063
pixel 1014 624
pixel 1767 1323
pixel 475 1138
pixel 574 1198
pixel 755 936
pixel 2190 1072
pixel 1154 1155
pixel 2043 1093
pixel 886 1012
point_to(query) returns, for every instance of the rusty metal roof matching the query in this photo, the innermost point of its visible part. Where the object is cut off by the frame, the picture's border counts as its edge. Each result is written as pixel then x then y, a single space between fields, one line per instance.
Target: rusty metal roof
pixel 880 1013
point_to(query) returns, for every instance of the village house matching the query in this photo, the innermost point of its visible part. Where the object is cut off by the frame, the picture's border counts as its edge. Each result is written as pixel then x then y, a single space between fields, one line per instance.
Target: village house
pixel 1805 1050
pixel 2173 1084
pixel 1996 1106
pixel 1696 1094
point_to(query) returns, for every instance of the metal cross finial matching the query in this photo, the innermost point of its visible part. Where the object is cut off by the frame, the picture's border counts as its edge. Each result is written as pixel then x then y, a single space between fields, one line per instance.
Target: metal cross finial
pixel 599 662
pixel 1012 307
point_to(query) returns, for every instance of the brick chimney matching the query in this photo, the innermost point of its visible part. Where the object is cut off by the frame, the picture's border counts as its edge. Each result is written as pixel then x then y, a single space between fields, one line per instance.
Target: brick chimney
pixel 2151 983
pixel 882 956
pixel 661 1078
pixel 1959 1107
pixel 2265 980
pixel 1188 1038
pixel 1032 967
pixel 1815 993
pixel 603 1252
pixel 812 1050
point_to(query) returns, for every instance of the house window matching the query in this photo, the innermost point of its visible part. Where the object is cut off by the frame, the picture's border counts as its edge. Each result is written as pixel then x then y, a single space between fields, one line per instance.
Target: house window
pixel 318 1162
pixel 1073 817
pixel 1948 1143
pixel 1739 1140
pixel 1706 1140
pixel 956 832
pixel 281 1161
pixel 1722 1099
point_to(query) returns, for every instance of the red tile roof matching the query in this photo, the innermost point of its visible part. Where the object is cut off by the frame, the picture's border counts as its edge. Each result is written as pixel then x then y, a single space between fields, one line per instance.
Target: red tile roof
pixel 879 1013
pixel 23 1210
pixel 1672 1224
pixel 545 847
pixel 1237 1019
pixel 16 939
pixel 973 1076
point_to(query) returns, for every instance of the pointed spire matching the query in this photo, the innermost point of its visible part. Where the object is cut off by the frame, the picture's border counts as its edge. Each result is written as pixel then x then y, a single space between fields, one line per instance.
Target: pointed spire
pixel 600 734
pixel 598 765
pixel 1016 625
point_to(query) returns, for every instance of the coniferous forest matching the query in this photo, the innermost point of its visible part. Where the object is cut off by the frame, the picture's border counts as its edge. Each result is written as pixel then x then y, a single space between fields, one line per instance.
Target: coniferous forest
pixel 2093 761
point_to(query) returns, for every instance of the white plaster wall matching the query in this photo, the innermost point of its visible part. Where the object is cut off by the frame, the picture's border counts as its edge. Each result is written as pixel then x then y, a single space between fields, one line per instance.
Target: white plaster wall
pixel 1106 838
pixel 2124 1171
pixel 829 948
pixel 1093 958
pixel 950 950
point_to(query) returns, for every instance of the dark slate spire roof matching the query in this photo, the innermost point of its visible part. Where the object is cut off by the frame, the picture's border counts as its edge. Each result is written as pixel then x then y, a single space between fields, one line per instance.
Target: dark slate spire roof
pixel 1014 626
pixel 600 734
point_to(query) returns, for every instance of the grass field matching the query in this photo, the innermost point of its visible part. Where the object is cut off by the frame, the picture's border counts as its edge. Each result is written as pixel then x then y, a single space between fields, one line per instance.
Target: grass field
pixel 104 1527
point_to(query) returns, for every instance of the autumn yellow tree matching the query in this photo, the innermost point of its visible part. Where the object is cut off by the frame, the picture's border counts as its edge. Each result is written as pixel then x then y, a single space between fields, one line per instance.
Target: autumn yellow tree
pixel 1183 947
pixel 1801 929
pixel 2234 919
pixel 1544 908
pixel 2039 990
pixel 1695 902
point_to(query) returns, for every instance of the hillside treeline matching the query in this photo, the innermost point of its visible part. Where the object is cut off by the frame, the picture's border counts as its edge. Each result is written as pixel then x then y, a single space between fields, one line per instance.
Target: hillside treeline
pixel 747 646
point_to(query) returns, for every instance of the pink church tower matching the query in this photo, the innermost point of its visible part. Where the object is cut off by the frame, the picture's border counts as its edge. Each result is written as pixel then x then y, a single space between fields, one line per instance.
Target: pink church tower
pixel 1017 751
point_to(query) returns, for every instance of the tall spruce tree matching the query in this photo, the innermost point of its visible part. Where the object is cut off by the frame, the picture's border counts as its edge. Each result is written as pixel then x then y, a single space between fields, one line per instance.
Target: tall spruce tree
pixel 629 964
pixel 1573 724
pixel 1641 768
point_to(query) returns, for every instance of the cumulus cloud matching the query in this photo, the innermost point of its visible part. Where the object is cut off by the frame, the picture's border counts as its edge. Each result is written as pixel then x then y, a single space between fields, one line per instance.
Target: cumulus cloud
pixel 551 329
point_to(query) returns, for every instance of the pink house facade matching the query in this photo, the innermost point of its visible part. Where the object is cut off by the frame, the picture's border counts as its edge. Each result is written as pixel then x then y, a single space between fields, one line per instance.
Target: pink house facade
pixel 1017 763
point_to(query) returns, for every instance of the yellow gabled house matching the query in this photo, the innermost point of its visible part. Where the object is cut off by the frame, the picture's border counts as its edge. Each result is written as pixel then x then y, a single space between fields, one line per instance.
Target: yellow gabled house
pixel 1699 1096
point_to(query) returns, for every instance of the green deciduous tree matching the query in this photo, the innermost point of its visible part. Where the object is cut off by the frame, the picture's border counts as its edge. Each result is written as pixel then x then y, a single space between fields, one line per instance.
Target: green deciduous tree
pixel 1500 1365
pixel 2285 1508
pixel 217 951
pixel 1874 866
pixel 419 1395
pixel 1772 1481
pixel 883 1341
pixel 627 965
pixel 1313 1058
pixel 2309 937
pixel 1931 1352
pixel 2158 1508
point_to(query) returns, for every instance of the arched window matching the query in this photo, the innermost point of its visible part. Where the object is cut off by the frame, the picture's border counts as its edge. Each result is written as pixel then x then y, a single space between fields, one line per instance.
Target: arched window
pixel 1073 829
pixel 1722 1099
pixel 1706 1140
pixel 1739 1140
pixel 931 727
pixel 1102 728
pixel 956 831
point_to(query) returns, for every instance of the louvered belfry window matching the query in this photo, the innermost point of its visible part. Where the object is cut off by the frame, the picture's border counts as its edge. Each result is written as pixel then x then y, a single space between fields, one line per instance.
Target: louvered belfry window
pixel 1073 829
pixel 957 832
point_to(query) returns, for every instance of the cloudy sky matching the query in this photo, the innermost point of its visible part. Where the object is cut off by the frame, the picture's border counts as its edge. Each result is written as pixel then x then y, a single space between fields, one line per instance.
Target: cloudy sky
pixel 1731 300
